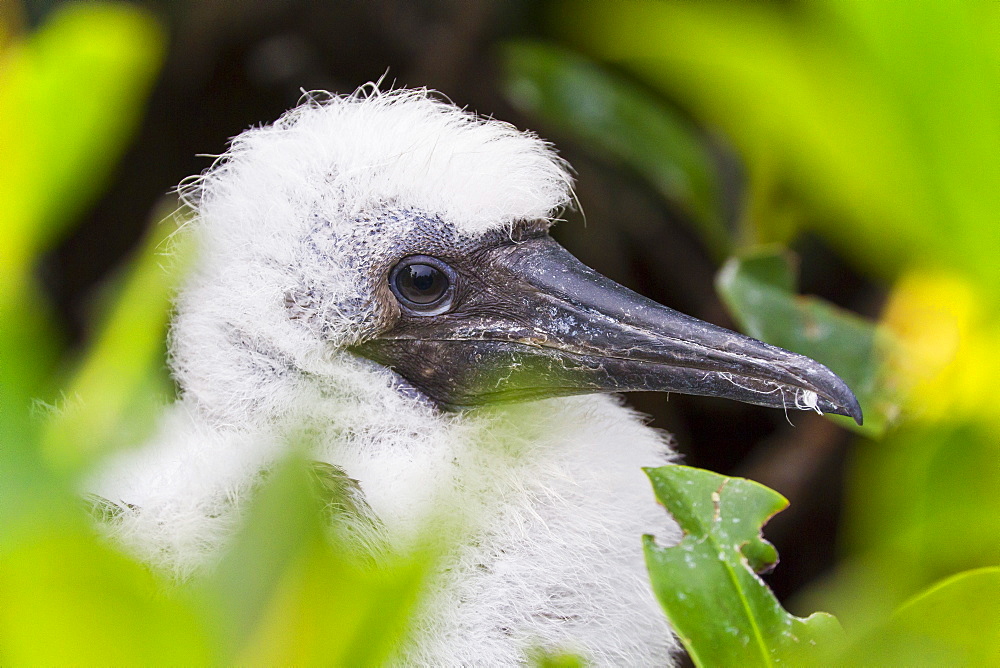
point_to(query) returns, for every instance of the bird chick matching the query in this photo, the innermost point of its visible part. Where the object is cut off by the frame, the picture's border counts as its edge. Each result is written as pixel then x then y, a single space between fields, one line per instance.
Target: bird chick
pixel 377 268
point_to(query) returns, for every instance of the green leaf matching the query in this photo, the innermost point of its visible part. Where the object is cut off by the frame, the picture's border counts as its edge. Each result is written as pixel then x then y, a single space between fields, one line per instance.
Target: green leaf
pixel 759 289
pixel 119 386
pixel 292 591
pixel 67 599
pixel 545 659
pixel 920 504
pixel 618 120
pixel 882 115
pixel 722 611
pixel 70 95
pixel 953 623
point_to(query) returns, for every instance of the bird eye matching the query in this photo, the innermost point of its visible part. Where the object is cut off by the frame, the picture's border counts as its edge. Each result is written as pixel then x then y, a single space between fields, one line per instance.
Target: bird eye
pixel 423 284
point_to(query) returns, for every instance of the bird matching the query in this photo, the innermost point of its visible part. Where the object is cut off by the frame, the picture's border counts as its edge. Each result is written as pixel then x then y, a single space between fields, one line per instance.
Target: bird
pixel 377 267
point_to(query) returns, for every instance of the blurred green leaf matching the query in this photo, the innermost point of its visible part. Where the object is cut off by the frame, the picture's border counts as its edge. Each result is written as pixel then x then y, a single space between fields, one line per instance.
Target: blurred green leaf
pixel 954 623
pixel 722 611
pixel 70 95
pixel 120 385
pixel 65 599
pixel 759 287
pixel 619 120
pixel 883 115
pixel 29 349
pixel 289 591
pixel 920 506
pixel 543 659
pixel 940 74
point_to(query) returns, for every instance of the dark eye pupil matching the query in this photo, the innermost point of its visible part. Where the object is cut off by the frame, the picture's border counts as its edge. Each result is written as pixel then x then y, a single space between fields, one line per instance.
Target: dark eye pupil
pixel 423 277
pixel 421 283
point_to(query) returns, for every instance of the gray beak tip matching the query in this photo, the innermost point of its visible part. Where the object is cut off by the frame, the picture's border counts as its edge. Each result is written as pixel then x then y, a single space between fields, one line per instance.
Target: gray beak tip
pixel 853 409
pixel 838 399
pixel 849 407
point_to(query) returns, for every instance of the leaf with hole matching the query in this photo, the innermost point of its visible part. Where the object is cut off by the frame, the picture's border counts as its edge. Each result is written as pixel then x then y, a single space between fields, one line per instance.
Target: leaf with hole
pixel 708 584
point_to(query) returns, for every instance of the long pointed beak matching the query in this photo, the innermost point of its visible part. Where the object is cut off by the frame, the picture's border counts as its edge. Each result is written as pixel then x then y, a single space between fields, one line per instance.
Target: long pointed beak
pixel 537 322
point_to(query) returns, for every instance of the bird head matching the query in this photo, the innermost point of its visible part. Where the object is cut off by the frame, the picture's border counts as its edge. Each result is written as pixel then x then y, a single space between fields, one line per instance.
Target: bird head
pixel 398 229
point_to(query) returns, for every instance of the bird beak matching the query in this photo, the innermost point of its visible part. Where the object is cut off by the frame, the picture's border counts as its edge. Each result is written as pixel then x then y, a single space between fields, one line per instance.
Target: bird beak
pixel 532 321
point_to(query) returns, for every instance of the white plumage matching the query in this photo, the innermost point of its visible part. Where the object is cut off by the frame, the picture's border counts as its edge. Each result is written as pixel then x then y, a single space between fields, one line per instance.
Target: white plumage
pixel 297 225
